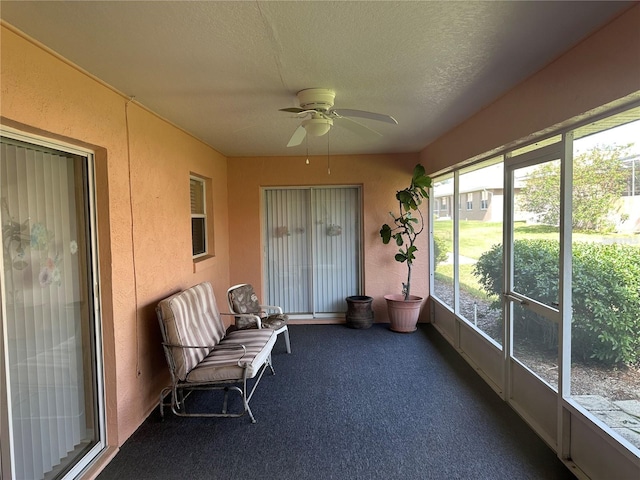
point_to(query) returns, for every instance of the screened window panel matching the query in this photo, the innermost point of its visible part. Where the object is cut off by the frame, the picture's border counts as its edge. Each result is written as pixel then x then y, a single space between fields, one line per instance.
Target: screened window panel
pixel 48 309
pixel 443 282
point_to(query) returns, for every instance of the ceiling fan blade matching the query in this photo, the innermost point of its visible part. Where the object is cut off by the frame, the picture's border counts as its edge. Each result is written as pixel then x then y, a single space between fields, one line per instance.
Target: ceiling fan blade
pixel 297 137
pixel 302 111
pixel 292 110
pixel 356 127
pixel 380 117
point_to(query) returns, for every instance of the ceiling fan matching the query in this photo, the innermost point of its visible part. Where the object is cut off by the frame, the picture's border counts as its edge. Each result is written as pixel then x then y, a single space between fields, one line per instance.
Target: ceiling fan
pixel 317 104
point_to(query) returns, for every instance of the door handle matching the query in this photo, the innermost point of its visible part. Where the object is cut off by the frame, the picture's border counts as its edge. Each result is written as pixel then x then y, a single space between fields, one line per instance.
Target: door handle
pixel 516 299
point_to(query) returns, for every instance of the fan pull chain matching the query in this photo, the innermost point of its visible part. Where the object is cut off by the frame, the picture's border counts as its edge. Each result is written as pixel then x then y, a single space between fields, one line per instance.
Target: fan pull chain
pixel 307 139
pixel 328 155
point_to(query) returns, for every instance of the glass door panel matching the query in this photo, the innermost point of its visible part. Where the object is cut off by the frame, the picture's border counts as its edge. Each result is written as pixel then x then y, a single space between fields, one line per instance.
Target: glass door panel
pixel 534 253
pixel 535 343
pixel 536 232
pixel 336 246
pixel 312 244
pixel 49 326
pixel 288 249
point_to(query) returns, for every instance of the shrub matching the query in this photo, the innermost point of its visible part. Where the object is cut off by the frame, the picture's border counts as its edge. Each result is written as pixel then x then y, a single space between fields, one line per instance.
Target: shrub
pixel 439 250
pixel 606 295
pixel 606 302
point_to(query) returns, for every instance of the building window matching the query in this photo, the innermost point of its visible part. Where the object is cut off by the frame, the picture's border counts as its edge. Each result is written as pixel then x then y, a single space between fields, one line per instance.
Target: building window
pixel 484 201
pixel 198 217
pixel 469 201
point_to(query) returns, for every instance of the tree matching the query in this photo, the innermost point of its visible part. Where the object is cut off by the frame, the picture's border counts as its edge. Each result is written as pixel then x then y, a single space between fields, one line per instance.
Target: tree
pixel 599 180
pixel 408 223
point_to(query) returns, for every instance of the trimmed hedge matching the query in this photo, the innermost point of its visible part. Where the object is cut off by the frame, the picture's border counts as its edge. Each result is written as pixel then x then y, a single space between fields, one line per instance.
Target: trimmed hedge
pixel 439 250
pixel 606 295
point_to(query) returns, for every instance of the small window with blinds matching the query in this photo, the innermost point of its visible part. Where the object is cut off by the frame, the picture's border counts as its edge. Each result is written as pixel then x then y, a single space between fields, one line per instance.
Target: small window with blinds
pixel 198 217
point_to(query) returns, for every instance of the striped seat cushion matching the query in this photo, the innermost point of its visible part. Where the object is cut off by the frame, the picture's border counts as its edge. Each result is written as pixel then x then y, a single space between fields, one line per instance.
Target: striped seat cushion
pixel 191 318
pixel 222 364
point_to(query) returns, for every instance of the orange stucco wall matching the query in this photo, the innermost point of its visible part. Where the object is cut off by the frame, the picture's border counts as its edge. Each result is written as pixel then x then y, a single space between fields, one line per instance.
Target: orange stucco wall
pixel 144 229
pixel 602 69
pixel 143 217
pixel 380 177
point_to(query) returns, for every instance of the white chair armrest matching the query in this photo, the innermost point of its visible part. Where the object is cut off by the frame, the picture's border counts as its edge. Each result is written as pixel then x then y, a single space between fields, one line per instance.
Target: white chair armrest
pixel 266 308
pixel 246 315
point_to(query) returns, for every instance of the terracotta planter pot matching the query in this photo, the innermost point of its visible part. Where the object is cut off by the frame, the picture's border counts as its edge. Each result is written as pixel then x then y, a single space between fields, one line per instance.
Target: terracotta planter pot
pixel 403 314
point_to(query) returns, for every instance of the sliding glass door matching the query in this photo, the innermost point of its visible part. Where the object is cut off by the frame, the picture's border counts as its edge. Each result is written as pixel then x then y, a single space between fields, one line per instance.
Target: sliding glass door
pixel 51 394
pixel 312 248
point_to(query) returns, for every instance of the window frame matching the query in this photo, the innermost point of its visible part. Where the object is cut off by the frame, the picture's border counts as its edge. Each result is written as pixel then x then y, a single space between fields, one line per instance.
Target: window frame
pixel 97 361
pixel 494 364
pixel 200 216
pixel 484 200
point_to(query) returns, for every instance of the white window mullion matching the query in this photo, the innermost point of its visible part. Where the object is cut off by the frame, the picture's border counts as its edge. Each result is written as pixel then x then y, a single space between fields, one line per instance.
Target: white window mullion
pixel 565 302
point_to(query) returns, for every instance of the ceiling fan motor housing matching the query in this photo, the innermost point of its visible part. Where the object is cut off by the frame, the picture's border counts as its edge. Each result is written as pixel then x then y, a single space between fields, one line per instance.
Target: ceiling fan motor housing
pixel 316 98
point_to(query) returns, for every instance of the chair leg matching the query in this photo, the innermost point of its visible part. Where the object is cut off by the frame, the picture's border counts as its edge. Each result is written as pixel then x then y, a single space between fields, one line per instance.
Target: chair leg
pixel 245 399
pixel 286 340
pixel 165 391
pixel 270 363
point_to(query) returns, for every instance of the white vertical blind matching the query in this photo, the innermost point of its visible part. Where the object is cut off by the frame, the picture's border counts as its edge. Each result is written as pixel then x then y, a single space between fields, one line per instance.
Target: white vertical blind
pixel 312 247
pixel 336 239
pixel 288 249
pixel 44 295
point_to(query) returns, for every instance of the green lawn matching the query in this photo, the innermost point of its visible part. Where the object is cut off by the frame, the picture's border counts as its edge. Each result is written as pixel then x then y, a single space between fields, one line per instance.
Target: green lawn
pixel 468 281
pixel 476 237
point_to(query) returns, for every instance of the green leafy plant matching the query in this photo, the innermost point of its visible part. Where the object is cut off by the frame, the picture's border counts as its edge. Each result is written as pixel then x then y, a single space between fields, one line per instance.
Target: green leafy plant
pixel 408 223
pixel 439 250
pixel 605 295
pixel 599 180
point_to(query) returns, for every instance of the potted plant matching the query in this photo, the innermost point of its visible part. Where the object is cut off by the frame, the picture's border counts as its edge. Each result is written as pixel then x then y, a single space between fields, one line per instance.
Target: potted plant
pixel 408 224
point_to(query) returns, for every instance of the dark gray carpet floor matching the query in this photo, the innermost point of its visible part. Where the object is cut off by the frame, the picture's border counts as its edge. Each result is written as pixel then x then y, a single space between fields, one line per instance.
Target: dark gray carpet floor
pixel 350 404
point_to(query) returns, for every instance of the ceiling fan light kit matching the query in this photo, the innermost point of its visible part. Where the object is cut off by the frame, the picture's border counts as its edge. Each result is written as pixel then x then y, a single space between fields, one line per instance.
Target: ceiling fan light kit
pixel 317 127
pixel 318 103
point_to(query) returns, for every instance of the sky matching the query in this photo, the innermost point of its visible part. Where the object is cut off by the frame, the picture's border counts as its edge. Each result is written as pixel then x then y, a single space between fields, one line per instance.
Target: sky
pixel 625 134
pixel 622 135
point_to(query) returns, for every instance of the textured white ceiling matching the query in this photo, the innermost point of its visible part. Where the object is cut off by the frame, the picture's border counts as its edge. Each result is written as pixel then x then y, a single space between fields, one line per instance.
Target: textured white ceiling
pixel 221 70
